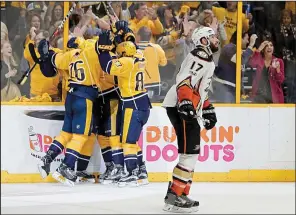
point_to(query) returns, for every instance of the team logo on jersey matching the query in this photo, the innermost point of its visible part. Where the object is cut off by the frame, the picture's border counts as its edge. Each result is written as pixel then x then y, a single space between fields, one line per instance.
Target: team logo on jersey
pixel 202 54
pixel 118 64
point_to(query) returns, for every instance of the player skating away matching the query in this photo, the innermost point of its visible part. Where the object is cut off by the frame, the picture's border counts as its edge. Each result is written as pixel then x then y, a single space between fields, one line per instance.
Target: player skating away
pixel 84 79
pixel 129 69
pixel 185 102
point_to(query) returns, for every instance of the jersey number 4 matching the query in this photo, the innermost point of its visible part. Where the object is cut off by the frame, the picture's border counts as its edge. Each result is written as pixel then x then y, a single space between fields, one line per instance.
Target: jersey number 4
pixel 77 72
pixel 139 82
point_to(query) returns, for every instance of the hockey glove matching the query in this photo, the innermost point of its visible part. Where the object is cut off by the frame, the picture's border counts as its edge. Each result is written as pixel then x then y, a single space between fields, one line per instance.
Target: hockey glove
pixel 129 36
pixel 122 26
pixel 186 110
pixel 209 116
pixel 105 41
pixel 43 49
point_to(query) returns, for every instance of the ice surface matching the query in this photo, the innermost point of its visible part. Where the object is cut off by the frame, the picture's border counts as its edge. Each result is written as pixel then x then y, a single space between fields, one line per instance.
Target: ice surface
pixel 215 198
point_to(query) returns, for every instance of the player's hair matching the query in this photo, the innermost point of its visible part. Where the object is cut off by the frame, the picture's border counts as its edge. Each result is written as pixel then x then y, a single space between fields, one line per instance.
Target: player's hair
pixel 144 33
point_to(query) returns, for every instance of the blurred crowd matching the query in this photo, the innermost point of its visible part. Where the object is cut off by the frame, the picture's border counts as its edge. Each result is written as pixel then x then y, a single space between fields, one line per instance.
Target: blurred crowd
pixel 163 32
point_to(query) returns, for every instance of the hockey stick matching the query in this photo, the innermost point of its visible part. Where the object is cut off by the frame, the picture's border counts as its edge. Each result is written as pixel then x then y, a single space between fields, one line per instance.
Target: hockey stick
pixel 26 74
pixel 107 8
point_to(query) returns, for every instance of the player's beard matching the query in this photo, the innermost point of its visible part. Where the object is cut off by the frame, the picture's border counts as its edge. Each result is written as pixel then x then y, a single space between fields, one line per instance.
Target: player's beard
pixel 214 48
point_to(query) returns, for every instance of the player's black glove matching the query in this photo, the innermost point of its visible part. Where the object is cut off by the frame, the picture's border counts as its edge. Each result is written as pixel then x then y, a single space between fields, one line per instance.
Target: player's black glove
pixel 72 44
pixel 209 116
pixel 186 110
pixel 43 49
pixel 105 41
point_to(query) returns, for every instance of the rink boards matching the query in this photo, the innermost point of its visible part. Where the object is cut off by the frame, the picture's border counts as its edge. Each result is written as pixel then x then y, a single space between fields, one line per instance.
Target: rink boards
pixel 247 144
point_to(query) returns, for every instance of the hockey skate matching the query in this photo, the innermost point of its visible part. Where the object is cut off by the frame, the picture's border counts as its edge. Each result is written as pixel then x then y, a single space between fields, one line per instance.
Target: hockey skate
pixel 65 175
pixel 116 174
pixel 84 176
pixel 195 204
pixel 143 175
pixel 130 179
pixel 105 178
pixel 176 204
pixel 44 164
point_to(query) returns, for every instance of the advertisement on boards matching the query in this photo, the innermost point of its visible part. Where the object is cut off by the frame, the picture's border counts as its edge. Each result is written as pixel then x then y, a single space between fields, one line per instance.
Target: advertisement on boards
pixel 240 140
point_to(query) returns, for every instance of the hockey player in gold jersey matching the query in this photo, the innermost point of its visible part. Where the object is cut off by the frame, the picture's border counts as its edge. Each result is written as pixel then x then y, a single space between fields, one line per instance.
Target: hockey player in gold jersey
pixel 107 115
pixel 84 81
pixel 129 69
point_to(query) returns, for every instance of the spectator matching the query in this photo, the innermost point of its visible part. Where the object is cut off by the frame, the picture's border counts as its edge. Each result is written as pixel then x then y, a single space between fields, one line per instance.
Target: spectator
pixel 39 83
pixel 155 56
pixel 229 15
pixel 207 18
pixel 267 83
pixel 146 17
pixel 35 8
pixel 225 74
pixel 34 22
pixel 286 40
pixel 9 90
pixel 57 17
pixel 286 46
pixel 168 38
pixel 184 45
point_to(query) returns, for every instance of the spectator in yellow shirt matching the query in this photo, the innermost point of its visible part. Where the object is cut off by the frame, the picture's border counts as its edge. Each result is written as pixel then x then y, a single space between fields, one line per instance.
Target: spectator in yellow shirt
pixel 155 57
pixel 145 16
pixel 39 83
pixel 229 15
pixel 170 33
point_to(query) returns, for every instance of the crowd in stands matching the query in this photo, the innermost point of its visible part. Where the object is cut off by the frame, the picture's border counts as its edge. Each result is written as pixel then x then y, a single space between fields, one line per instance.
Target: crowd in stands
pixel 163 32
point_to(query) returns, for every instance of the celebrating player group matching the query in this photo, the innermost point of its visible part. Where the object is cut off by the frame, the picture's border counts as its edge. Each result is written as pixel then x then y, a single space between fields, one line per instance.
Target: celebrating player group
pixel 107 101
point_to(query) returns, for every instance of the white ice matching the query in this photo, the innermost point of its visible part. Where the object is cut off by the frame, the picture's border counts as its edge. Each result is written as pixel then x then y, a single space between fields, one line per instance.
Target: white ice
pixel 215 198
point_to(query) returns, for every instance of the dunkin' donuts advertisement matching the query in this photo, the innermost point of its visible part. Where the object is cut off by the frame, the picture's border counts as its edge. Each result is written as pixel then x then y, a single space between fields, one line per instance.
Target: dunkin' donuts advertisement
pixel 242 139
pixel 41 136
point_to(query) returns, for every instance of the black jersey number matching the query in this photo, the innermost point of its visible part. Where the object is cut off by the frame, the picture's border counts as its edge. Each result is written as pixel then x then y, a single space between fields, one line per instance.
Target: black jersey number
pixel 140 81
pixel 77 72
pixel 196 67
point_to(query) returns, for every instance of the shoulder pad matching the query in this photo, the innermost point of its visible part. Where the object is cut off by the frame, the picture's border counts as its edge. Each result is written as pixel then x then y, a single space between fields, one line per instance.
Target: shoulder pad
pixel 202 54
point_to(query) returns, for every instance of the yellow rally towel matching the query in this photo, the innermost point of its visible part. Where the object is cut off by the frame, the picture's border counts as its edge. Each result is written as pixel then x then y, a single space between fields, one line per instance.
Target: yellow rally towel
pixel 44 98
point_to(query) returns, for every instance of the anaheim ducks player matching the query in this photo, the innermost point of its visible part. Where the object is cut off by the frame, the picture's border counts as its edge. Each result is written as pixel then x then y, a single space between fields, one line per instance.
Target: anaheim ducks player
pixel 185 102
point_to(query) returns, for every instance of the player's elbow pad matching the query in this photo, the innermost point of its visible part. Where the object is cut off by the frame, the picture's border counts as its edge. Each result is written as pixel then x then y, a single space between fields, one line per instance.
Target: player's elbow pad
pixel 72 44
pixel 46 66
pixel 105 61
